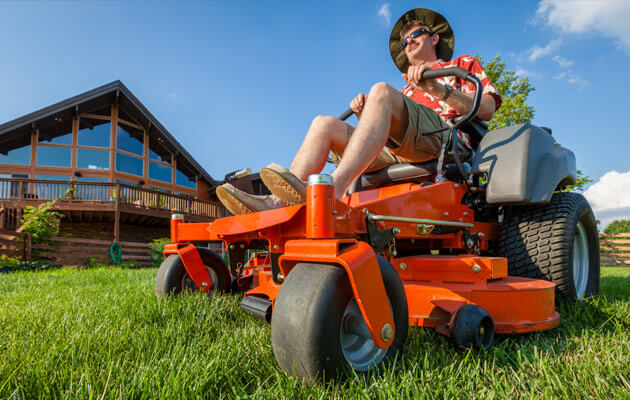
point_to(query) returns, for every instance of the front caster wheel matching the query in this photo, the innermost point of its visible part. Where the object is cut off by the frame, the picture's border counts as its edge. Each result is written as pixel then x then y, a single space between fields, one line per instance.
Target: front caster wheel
pixel 317 330
pixel 472 327
pixel 172 277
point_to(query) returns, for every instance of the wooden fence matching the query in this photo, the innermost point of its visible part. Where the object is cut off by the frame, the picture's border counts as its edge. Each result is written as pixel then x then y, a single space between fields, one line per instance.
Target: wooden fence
pixel 15 244
pixel 614 248
pixel 70 251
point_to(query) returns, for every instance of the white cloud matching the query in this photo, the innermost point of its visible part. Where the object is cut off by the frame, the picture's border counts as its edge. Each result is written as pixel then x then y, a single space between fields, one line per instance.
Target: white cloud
pixel 561 61
pixel 610 197
pixel 536 52
pixel 572 78
pixel 385 13
pixel 609 17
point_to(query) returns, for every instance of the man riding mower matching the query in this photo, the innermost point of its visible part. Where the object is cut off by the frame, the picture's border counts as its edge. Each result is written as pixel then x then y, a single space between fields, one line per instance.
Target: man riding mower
pixel 426 221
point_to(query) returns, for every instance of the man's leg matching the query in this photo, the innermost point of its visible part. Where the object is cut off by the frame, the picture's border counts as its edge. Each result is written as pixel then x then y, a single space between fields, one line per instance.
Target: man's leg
pixel 326 133
pixel 385 114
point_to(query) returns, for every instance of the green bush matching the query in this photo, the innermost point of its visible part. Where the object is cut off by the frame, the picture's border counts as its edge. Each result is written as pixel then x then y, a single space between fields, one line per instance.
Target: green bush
pixel 618 226
pixel 157 251
pixel 16 264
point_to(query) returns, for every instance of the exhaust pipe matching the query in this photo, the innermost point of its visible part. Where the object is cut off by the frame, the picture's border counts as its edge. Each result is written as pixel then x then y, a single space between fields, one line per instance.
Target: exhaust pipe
pixel 257 307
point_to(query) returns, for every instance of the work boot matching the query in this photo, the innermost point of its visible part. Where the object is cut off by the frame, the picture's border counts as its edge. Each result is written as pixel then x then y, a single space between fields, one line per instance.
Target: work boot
pixel 239 202
pixel 284 184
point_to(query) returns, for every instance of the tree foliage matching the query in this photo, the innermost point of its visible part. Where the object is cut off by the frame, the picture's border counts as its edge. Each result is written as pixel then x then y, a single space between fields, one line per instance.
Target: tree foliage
pixel 513 90
pixel 514 109
pixel 618 226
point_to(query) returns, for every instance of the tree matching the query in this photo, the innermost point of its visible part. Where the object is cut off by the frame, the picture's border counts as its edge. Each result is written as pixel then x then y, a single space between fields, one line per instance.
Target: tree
pixel 513 90
pixel 618 226
pixel 514 108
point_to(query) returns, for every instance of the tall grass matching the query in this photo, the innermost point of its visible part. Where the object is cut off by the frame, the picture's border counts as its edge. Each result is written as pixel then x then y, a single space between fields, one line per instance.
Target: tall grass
pixel 103 333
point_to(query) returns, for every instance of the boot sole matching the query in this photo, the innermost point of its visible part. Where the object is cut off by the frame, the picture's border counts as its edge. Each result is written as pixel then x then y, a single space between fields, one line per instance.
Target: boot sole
pixel 282 187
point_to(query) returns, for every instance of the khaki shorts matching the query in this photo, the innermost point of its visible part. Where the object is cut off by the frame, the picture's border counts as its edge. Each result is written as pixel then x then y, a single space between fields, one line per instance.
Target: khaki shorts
pixel 415 146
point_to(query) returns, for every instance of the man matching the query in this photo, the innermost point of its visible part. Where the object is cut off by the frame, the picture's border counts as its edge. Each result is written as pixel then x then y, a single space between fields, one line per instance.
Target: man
pixel 391 123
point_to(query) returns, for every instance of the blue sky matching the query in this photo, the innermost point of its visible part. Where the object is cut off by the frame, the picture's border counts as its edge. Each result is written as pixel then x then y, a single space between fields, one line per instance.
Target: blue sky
pixel 237 83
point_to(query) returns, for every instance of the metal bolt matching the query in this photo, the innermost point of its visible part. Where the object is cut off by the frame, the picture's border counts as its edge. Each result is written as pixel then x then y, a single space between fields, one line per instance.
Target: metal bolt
pixel 476 268
pixel 456 185
pixel 465 213
pixel 276 247
pixel 242 245
pixel 204 284
pixel 403 266
pixel 446 214
pixel 334 211
pixel 387 333
pixel 232 247
pixel 280 277
pixel 395 231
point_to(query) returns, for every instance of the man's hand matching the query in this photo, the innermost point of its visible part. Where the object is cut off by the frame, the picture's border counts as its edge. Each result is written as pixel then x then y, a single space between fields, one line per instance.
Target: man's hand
pixel 414 78
pixel 358 103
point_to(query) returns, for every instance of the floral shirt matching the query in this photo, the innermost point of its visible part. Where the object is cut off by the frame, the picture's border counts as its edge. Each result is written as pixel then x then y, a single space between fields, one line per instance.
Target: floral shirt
pixel 441 107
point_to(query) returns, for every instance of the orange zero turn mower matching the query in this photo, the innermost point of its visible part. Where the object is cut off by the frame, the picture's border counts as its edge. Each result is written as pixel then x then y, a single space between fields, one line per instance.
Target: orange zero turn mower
pixel 470 248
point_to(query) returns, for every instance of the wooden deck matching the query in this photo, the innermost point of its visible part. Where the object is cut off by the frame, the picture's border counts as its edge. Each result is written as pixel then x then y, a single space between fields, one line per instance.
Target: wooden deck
pixel 106 201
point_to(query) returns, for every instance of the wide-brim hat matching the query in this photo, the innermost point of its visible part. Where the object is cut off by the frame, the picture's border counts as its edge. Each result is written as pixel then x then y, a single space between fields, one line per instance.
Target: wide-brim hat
pixel 436 22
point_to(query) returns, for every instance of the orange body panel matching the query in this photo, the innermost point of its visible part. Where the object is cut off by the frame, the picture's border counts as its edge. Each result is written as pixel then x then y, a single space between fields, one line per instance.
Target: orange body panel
pixel 327 230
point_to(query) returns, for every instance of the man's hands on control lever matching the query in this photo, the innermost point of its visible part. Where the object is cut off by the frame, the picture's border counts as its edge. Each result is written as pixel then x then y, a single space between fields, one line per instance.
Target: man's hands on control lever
pixel 414 78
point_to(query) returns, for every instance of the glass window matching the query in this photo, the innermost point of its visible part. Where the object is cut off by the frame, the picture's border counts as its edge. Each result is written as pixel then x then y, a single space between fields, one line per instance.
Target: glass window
pixel 129 164
pixel 130 139
pixel 60 133
pixel 127 182
pixel 94 132
pixel 92 159
pixel 185 178
pixel 53 177
pixel 159 189
pixel 160 172
pixel 157 151
pixel 20 155
pixel 92 179
pixel 54 156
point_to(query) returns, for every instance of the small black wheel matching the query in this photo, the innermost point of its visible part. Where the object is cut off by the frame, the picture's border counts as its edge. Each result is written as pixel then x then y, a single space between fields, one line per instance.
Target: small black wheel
pixel 472 327
pixel 172 277
pixel 557 241
pixel 317 330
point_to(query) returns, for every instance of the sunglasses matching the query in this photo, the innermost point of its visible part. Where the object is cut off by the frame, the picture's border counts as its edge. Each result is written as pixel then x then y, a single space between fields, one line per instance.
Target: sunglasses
pixel 415 34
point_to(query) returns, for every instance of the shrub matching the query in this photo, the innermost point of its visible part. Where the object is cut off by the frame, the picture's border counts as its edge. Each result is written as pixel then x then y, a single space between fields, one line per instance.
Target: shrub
pixel 157 251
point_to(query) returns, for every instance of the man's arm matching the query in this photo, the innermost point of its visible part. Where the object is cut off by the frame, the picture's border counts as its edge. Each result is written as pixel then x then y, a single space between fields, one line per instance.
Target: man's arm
pixel 460 101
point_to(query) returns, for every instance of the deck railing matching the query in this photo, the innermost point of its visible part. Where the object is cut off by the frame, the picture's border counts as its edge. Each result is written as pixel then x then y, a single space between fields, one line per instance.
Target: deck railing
pixel 35 190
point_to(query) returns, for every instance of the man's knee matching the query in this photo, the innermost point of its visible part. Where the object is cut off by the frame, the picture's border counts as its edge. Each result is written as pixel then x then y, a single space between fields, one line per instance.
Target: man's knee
pixel 325 124
pixel 382 90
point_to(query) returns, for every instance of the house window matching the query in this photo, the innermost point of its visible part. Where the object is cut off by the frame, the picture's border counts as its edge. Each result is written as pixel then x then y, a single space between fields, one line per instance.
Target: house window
pixel 92 159
pixel 16 155
pixel 160 172
pixel 158 152
pixel 184 177
pixel 94 132
pixel 129 164
pixel 130 139
pixel 92 179
pixel 50 156
pixel 60 133
pixel 53 177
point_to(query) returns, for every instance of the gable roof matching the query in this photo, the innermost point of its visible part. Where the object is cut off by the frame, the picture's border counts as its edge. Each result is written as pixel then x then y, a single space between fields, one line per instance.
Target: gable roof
pixel 20 128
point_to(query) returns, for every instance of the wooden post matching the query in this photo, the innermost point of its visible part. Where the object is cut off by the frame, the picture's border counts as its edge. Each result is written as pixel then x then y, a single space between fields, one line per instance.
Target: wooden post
pixel 117 214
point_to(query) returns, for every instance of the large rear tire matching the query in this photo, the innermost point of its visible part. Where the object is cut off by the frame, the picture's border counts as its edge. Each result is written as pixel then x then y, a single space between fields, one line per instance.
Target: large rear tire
pixel 557 241
pixel 317 330
pixel 172 277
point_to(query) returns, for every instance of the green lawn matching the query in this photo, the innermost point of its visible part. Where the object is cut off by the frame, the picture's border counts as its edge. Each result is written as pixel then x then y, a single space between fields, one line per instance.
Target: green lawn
pixel 102 333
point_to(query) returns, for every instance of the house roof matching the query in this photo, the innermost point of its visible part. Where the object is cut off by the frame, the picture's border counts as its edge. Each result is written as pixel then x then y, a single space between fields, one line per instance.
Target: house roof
pixel 19 129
